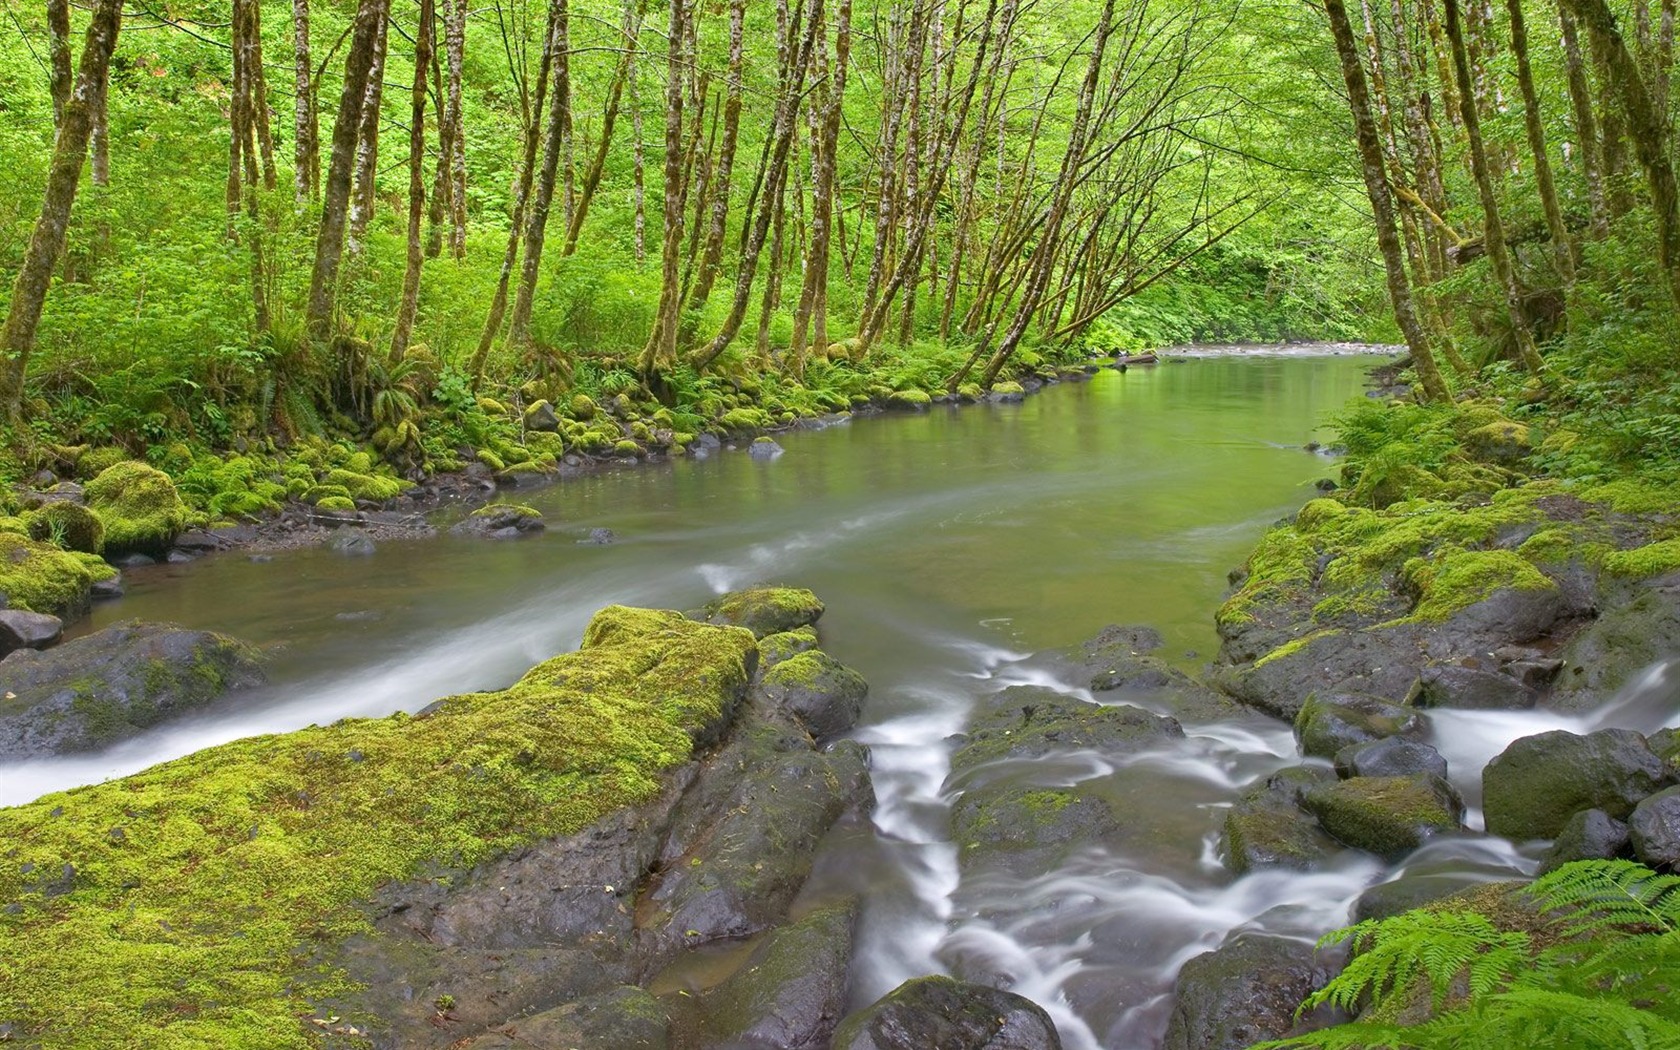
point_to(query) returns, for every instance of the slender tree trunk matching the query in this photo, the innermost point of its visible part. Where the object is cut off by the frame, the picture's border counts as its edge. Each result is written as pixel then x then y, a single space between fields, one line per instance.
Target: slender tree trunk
pixel 58 28
pixel 662 340
pixel 46 240
pixel 522 195
pixel 1652 138
pixel 1532 120
pixel 1382 204
pixel 712 257
pixel 367 141
pixel 439 207
pixel 424 36
pixel 455 43
pixel 1612 147
pixel 257 84
pixel 233 192
pixel 542 199
pixel 813 295
pixel 561 111
pixel 638 189
pixel 335 196
pixel 304 133
pixel 1586 123
pixel 615 94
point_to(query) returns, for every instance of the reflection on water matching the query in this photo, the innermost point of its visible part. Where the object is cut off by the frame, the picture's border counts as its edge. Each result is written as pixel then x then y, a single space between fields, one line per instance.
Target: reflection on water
pixel 948 546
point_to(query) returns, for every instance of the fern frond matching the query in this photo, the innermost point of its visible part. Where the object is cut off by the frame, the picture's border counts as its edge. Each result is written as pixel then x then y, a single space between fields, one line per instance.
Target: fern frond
pixel 1396 954
pixel 1359 1035
pixel 1598 897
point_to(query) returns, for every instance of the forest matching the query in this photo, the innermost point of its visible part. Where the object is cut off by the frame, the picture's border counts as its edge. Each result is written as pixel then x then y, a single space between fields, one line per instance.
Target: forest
pixel 322 285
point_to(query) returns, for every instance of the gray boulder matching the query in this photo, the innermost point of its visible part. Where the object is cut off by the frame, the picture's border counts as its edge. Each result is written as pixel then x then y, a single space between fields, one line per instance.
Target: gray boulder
pixel 1392 757
pixel 1328 723
pixel 1655 829
pixel 1591 834
pixel 823 694
pixel 938 1012
pixel 1449 685
pixel 1247 991
pixel 765 610
pixel 102 687
pixel 1532 788
pixel 791 992
pixel 22 629
pixel 1268 829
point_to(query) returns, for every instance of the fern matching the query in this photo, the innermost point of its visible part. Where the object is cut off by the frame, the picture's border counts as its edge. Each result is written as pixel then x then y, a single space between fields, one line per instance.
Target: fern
pixel 1610 896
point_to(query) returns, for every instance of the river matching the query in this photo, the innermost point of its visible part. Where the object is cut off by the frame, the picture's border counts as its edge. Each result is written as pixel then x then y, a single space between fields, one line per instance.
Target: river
pixel 949 546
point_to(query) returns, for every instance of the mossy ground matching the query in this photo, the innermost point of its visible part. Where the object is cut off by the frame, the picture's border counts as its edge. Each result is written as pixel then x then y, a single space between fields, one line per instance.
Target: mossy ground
pixel 174 908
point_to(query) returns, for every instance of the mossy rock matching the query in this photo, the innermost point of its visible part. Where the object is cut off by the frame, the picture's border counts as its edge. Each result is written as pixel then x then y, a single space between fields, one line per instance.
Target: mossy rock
pixel 774 648
pixel 541 418
pixel 915 400
pixel 792 989
pixel 823 694
pixel 336 504
pixel 583 407
pixel 244 863
pixel 370 487
pixel 491 460
pixel 68 525
pixel 317 493
pixel 737 420
pixel 970 392
pixel 42 578
pixel 16 526
pixel 1327 724
pixel 1504 443
pixel 1028 832
pixel 627 448
pixel 139 506
pixel 1026 722
pixel 1008 390
pixel 544 443
pixel 96 461
pixel 491 407
pixel 1388 816
pixel 765 610
pixel 1532 788
pixel 941 1012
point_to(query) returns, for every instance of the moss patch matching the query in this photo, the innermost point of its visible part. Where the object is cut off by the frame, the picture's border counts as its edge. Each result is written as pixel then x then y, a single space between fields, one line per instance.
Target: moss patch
pixel 139 506
pixel 67 525
pixel 175 907
pixel 42 578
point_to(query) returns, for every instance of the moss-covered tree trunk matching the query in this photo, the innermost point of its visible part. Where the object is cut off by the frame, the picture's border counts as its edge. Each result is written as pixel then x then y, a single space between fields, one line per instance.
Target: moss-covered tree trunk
pixel 711 257
pixel 1493 231
pixel 455 43
pixel 609 121
pixel 46 240
pixel 58 33
pixel 1533 124
pixel 813 305
pixel 306 165
pixel 662 340
pixel 367 140
pixel 1586 122
pixel 542 195
pixel 1382 203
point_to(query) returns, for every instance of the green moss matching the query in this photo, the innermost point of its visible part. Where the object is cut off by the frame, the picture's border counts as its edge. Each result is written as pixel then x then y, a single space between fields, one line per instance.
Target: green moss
pixel 1279 570
pixel 370 487
pixel 139 506
pixel 626 447
pixel 317 493
pixel 1388 816
pixel 1456 579
pixel 766 610
pixel 1008 387
pixel 199 888
pixel 491 407
pixel 491 510
pixel 1650 560
pixel 910 398
pixel 42 578
pixel 1293 646
pixel 96 461
pixel 775 648
pixel 68 525
pixel 491 460
pixel 545 443
pixel 1635 496
pixel 583 407
pixel 14 526
pixel 739 419
pixel 336 504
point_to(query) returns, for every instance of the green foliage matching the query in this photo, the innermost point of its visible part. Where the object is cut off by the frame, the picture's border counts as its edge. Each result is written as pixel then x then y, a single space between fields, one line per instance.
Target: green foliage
pixel 1593 968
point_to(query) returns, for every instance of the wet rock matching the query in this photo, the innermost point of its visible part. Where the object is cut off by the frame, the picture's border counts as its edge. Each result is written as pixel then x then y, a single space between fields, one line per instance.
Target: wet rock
pixel 1383 663
pixel 354 545
pixel 1028 832
pixel 791 992
pixel 1449 685
pixel 764 448
pixel 929 1012
pixel 105 590
pixel 1028 722
pixel 178 557
pixel 1327 723
pixel 1267 829
pixel 1246 992
pixel 765 610
pixel 542 418
pixel 1654 829
pixel 499 521
pixel 111 684
pixel 600 537
pixel 1626 638
pixel 21 629
pixel 1532 788
pixel 1591 834
pixel 742 842
pixel 133 561
pixel 1387 816
pixel 1392 757
pixel 623 1018
pixel 823 694
pixel 1535 674
pixel 1388 899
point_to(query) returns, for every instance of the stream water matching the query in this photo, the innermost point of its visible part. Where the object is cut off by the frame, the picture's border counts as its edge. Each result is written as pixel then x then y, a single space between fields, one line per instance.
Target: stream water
pixel 949 546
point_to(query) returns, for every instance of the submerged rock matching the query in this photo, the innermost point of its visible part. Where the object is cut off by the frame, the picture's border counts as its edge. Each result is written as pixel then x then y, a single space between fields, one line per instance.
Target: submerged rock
pixel 1246 992
pixel 1027 722
pixel 102 687
pixel 791 992
pixel 1532 788
pixel 929 1012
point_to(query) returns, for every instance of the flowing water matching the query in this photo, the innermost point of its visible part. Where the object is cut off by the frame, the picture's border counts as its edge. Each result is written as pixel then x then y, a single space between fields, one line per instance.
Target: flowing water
pixel 949 546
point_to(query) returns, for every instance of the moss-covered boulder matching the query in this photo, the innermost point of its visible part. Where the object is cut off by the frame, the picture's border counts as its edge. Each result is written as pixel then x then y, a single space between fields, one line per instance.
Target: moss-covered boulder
pixel 542 418
pixel 823 694
pixel 765 610
pixel 1591 834
pixel 1503 443
pixel 1627 637
pixel 940 1012
pixel 1247 991
pixel 785 645
pixel 370 488
pixel 45 579
pixel 1026 722
pixel 1532 788
pixel 1328 723
pixel 1388 816
pixel 1267 828
pixel 67 525
pixel 249 865
pixel 139 506
pixel 1007 392
pixel 910 400
pixel 501 521
pixel 102 687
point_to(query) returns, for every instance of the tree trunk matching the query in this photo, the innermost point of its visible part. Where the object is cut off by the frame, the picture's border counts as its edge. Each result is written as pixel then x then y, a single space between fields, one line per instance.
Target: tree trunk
pixel 638 191
pixel 722 176
pixel 455 43
pixel 58 28
pixel 1651 137
pixel 305 136
pixel 1382 204
pixel 615 94
pixel 439 207
pixel 542 199
pixel 662 340
pixel 257 86
pixel 1561 248
pixel 424 35
pixel 233 192
pixel 335 202
pixel 46 240
pixel 813 295
pixel 1586 124
pixel 367 141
